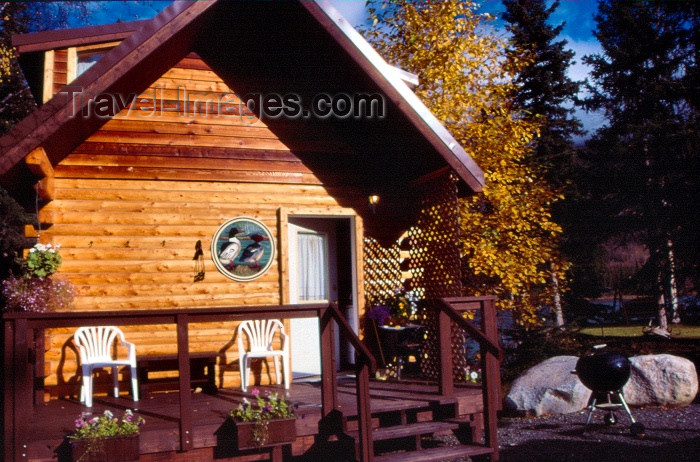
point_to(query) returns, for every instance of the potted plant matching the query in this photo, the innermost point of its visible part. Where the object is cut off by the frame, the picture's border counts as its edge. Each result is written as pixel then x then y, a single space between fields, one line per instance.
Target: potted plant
pixel 35 290
pixel 268 420
pixel 106 438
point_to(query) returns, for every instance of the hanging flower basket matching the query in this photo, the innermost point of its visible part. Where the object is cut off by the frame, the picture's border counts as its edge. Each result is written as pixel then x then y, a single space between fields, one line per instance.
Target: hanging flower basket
pixel 246 435
pixel 109 449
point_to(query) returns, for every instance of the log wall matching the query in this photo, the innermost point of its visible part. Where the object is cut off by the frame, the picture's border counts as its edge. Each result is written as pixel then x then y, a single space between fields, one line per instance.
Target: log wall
pixel 133 200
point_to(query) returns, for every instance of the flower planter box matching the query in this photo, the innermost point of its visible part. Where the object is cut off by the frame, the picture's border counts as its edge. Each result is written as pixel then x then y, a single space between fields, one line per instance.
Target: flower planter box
pixel 279 431
pixel 113 449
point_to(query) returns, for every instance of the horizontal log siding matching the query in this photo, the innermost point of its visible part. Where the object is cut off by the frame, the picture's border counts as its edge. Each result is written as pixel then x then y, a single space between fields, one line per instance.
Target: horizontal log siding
pixel 133 200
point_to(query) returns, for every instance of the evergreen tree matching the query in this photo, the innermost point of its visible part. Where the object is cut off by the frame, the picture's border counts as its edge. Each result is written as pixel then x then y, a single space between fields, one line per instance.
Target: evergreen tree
pixel 543 88
pixel 644 163
pixel 16 101
pixel 15 98
pixel 543 91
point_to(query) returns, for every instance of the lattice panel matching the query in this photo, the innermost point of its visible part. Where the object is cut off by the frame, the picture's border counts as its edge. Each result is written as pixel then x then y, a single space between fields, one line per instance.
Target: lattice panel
pixel 435 266
pixel 382 270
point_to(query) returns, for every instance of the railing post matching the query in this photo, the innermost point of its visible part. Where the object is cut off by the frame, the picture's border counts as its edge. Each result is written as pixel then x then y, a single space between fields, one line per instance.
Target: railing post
pixel 446 384
pixel 329 385
pixel 364 413
pixel 24 387
pixel 9 431
pixel 183 362
pixel 491 378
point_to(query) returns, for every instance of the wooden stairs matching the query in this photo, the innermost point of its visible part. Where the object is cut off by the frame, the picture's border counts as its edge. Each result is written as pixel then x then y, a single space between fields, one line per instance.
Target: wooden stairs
pixel 416 434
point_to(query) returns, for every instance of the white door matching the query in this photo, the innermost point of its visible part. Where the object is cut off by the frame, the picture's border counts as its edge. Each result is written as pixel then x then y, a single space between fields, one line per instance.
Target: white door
pixel 312 279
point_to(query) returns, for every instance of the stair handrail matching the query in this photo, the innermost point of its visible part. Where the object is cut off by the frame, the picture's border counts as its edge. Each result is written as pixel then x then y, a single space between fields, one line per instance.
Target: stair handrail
pixel 362 352
pixel 365 364
pixel 491 355
pixel 491 345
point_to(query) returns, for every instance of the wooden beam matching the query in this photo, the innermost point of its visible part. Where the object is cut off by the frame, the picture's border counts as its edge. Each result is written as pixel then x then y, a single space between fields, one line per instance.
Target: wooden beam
pixel 30 231
pixel 430 176
pixel 39 163
pixel 47 91
pixel 71 65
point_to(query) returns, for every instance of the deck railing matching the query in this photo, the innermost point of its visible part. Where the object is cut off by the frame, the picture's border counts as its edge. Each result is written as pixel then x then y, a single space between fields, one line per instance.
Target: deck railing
pixel 18 359
pixel 450 310
pixel 19 368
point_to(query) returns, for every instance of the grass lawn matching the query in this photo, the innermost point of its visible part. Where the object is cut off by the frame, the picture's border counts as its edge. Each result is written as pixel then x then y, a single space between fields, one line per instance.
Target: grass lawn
pixel 677 331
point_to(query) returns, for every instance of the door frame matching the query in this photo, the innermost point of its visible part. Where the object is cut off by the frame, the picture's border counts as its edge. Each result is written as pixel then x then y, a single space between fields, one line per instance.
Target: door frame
pixel 357 256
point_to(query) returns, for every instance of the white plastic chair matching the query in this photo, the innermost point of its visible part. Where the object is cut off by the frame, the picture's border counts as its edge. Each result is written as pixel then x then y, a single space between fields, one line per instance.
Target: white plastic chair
pixel 96 346
pixel 261 335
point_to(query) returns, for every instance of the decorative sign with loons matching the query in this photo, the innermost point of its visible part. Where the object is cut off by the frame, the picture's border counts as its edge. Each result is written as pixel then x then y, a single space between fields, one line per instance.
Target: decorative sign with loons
pixel 243 249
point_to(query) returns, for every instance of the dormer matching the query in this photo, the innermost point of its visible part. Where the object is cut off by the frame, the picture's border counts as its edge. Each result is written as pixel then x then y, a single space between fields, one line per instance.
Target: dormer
pixel 53 59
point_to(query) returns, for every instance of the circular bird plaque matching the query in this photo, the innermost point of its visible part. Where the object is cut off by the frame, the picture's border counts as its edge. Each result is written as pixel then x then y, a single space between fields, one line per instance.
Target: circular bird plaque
pixel 243 249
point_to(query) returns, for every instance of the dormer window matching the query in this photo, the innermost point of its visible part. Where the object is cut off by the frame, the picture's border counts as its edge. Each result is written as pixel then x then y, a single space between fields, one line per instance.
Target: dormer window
pixel 84 57
pixel 85 61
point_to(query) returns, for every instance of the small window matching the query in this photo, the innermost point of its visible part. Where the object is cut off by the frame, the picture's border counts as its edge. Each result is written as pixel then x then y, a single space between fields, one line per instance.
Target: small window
pixel 85 62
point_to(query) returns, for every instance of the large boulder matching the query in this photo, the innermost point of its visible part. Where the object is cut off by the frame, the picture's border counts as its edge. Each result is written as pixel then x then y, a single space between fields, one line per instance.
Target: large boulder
pixel 548 388
pixel 661 380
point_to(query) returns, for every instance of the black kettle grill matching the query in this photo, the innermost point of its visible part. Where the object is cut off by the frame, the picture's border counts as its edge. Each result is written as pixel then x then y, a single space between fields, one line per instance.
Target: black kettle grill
pixel 605 373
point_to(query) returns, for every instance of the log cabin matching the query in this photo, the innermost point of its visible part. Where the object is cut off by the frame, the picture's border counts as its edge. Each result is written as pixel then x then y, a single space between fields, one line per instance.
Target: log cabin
pixel 158 143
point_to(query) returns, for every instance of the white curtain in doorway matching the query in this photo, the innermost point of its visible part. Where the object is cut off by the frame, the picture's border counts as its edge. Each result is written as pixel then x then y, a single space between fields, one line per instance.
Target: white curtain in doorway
pixel 313 270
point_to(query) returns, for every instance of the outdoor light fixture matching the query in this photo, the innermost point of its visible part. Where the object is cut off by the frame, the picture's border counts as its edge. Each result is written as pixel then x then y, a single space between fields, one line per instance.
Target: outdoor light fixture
pixel 373 201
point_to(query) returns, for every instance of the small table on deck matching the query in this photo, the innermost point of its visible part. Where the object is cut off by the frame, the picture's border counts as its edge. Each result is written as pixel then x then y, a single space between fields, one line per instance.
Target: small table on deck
pixel 202 372
pixel 400 343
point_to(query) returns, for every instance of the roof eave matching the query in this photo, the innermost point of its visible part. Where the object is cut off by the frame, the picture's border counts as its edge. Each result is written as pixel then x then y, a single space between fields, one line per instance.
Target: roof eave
pixel 56 117
pixel 64 38
pixel 392 85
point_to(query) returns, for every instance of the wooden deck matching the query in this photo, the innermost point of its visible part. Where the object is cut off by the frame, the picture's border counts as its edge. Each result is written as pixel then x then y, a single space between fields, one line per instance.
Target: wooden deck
pixel 411 401
pixel 383 413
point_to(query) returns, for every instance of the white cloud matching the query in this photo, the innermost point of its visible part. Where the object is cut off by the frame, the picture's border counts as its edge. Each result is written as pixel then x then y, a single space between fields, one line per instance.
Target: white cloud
pixel 354 11
pixel 579 71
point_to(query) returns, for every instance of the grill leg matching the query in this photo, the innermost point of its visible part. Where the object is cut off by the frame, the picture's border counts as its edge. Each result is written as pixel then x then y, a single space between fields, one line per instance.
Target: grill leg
pixel 627 408
pixel 591 408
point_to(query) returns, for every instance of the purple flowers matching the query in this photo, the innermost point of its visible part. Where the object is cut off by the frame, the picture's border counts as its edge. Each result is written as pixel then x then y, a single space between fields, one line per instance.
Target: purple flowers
pixel 35 290
pixel 270 406
pixel 380 314
pixel 38 295
pixel 106 425
pixel 398 309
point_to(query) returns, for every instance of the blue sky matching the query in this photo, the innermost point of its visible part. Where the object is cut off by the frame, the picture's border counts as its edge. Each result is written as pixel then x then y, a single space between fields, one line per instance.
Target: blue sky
pixel 577 16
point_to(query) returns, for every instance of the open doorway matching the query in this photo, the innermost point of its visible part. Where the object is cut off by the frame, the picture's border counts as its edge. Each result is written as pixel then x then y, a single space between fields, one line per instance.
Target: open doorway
pixel 321 268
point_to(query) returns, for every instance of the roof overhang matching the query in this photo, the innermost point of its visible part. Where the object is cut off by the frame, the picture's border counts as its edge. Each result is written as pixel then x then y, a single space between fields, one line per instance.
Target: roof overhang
pixel 305 47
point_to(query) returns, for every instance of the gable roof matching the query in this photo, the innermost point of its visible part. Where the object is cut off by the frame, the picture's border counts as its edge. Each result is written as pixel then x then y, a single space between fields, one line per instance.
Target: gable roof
pixel 305 47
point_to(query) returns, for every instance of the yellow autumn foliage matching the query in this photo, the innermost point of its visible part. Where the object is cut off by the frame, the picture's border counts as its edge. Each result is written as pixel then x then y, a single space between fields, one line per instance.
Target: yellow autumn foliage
pixel 509 239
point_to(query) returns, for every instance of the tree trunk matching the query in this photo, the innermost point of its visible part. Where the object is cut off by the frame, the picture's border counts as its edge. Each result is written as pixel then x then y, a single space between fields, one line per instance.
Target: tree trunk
pixel 559 322
pixel 673 287
pixel 661 313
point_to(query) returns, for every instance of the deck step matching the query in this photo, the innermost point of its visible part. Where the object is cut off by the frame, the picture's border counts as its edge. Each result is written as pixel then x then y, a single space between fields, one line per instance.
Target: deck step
pixel 402 431
pixel 434 454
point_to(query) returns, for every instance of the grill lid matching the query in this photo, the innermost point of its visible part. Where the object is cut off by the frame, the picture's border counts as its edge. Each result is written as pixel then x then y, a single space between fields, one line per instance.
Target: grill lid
pixel 603 371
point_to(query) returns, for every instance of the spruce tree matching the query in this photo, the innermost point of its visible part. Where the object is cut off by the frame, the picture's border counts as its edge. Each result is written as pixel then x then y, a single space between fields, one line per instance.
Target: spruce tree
pixel 543 88
pixel 545 93
pixel 644 162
